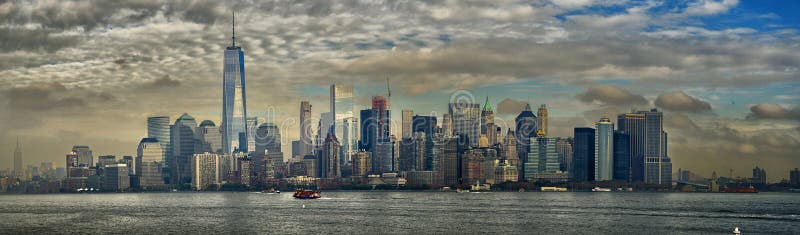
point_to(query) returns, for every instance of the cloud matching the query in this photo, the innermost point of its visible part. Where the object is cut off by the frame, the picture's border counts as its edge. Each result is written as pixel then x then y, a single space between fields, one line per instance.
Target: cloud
pixel 42 96
pixel 163 82
pixel 510 106
pixel 709 7
pixel 680 101
pixel 773 111
pixel 610 95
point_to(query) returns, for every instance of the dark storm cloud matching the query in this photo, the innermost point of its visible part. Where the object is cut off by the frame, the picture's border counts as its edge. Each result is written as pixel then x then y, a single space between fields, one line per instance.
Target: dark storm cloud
pixel 610 95
pixel 773 111
pixel 510 106
pixel 42 96
pixel 680 101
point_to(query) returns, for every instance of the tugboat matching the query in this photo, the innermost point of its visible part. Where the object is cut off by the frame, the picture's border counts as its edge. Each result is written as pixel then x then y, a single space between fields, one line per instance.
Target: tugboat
pixel 306 194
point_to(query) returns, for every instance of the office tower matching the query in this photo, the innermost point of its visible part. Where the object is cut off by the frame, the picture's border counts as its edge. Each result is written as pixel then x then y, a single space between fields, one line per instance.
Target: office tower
pixel 350 134
pixel 330 158
pixel 488 128
pixel 84 155
pixel 413 153
pixel 407 116
pixel 149 163
pixel 759 176
pixel 342 109
pixel 375 124
pixel 211 137
pixel 466 120
pixel 448 159
pixel 542 157
pixel 564 150
pixel 234 98
pixel 583 155
pixel 268 147
pixel 325 127
pixel 185 143
pixel 541 118
pixel 252 125
pixel 205 170
pixel 116 177
pixel 246 171
pixel 425 124
pixel 306 129
pixel 505 173
pixel 104 160
pixel 648 140
pixel 384 156
pixel 18 161
pixel 622 156
pixel 794 176
pixel 510 150
pixel 604 150
pixel 311 164
pixel 362 163
pixel 158 127
pixel 471 167
pixel 525 129
pixel 447 124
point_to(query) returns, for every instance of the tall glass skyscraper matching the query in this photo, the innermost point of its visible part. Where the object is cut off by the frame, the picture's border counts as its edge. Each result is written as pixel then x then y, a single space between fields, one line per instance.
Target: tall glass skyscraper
pixel 650 162
pixel 604 150
pixel 234 104
pixel 158 128
pixel 583 155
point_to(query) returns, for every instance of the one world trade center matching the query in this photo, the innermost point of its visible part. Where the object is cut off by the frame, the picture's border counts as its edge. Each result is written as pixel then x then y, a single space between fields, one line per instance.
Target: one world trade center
pixel 234 105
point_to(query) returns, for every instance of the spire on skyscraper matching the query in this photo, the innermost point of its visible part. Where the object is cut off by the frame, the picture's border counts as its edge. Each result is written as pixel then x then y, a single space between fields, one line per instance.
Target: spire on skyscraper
pixel 486 105
pixel 233 30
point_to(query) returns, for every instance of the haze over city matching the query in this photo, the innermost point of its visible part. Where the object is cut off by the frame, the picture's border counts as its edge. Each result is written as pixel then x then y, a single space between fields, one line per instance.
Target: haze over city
pixel 724 73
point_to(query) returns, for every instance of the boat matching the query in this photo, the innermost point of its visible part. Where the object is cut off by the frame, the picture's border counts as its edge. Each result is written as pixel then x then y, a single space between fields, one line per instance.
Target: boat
pixel 739 189
pixel 599 189
pixel 462 190
pixel 270 191
pixel 553 189
pixel 736 230
pixel 306 194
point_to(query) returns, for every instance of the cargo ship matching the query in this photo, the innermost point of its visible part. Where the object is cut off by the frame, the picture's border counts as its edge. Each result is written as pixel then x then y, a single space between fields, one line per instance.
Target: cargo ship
pixel 739 189
pixel 306 194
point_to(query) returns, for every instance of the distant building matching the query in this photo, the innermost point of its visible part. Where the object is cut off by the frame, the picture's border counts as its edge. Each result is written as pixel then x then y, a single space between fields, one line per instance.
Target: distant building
pixel 448 164
pixel 205 168
pixel 84 155
pixel 650 162
pixel 759 176
pixel 104 160
pixel 604 150
pixel 421 178
pixel 466 120
pixel 406 118
pixel 794 176
pixel 158 127
pixel 383 157
pixel 185 143
pixel 116 177
pixel 509 150
pixel 541 118
pixel 330 158
pixel 18 161
pixel 583 155
pixel 234 100
pixel 564 150
pixel 212 138
pixel 505 173
pixel 622 156
pixel 526 128
pixel 268 147
pixel 542 158
pixel 488 128
pixel 306 129
pixel 362 164
pixel 149 163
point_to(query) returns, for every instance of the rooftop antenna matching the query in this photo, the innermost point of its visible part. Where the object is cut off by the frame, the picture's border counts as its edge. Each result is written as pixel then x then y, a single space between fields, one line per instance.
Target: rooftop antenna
pixel 389 93
pixel 233 29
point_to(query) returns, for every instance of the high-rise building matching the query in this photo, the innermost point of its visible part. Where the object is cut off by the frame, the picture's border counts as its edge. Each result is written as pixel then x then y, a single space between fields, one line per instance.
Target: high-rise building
pixel 268 147
pixel 330 158
pixel 448 159
pixel 525 129
pixel 488 128
pixel 505 173
pixel 211 137
pixel 447 124
pixel 149 161
pixel 542 157
pixel 759 176
pixel 84 155
pixel 104 160
pixel 564 150
pixel 466 120
pixel 406 118
pixel 342 105
pixel 205 170
pixel 583 155
pixel 384 158
pixel 185 143
pixel 794 176
pixel 158 127
pixel 541 118
pixel 18 160
pixel 510 150
pixel 116 177
pixel 413 153
pixel 622 156
pixel 362 164
pixel 234 98
pixel 604 150
pixel 375 124
pixel 306 129
pixel 350 134
pixel 650 162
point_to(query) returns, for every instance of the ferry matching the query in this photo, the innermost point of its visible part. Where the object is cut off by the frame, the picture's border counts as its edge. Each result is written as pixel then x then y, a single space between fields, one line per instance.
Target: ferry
pixel 553 189
pixel 599 189
pixel 739 189
pixel 306 194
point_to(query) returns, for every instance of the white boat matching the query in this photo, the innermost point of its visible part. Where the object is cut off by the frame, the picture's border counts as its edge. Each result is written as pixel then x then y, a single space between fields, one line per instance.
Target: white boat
pixel 736 230
pixel 599 189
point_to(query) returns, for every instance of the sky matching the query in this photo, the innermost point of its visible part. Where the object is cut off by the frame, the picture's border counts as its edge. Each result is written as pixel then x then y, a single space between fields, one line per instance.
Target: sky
pixel 724 72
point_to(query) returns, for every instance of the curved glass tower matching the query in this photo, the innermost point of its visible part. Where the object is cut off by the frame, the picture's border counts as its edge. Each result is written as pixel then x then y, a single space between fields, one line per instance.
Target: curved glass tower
pixel 234 105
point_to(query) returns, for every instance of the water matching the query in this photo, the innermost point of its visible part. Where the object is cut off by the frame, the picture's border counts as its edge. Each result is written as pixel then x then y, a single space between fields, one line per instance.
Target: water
pixel 371 212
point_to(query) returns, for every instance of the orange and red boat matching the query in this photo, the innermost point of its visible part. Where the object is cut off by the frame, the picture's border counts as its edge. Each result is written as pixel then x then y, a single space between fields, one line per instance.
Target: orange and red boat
pixel 306 194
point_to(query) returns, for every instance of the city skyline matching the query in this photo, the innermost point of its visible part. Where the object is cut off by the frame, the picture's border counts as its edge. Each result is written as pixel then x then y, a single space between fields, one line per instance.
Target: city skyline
pixel 709 124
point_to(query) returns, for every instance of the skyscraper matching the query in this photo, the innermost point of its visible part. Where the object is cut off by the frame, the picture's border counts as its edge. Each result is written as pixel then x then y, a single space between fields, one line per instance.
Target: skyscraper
pixel 648 140
pixel 488 128
pixel 794 176
pixel 149 162
pixel 759 176
pixel 185 143
pixel 306 129
pixel 330 158
pixel 361 163
pixel 541 118
pixel 604 150
pixel 252 125
pixel 375 124
pixel 510 150
pixel 525 129
pixel 583 155
pixel 342 108
pixel 466 120
pixel 447 124
pixel 407 116
pixel 84 155
pixel 448 159
pixel 542 157
pixel 158 127
pixel 350 134
pixel 564 150
pixel 18 160
pixel 204 170
pixel 211 137
pixel 268 147
pixel 234 103
pixel 622 156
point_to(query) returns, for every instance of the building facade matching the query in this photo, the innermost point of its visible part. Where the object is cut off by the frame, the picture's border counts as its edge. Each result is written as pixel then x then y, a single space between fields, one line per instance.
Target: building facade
pixel 604 150
pixel 205 170
pixel 583 155
pixel 234 99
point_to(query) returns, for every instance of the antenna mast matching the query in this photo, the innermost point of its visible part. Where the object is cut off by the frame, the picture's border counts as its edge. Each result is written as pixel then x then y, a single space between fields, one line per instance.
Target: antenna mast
pixel 233 29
